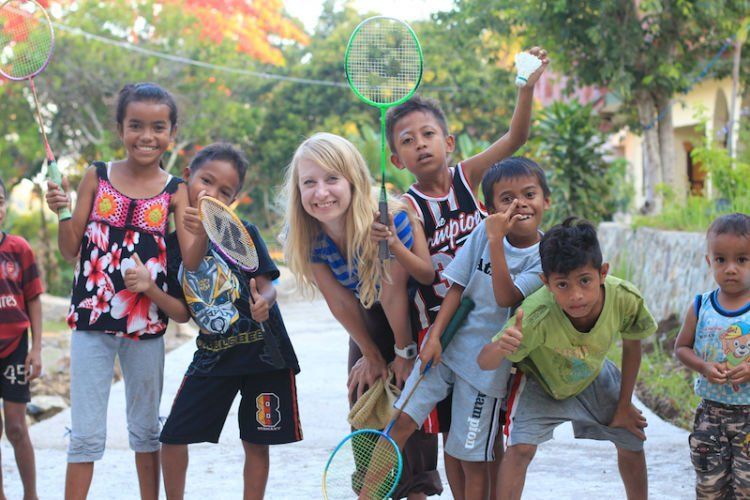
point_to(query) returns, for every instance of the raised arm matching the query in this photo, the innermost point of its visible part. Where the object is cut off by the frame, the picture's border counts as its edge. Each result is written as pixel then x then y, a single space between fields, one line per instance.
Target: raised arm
pixel 70 231
pixel 190 233
pixel 516 136
pixel 498 225
pixel 415 260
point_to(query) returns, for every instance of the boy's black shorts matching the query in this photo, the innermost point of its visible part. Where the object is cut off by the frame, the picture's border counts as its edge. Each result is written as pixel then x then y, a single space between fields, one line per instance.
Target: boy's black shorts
pixel 14 386
pixel 268 411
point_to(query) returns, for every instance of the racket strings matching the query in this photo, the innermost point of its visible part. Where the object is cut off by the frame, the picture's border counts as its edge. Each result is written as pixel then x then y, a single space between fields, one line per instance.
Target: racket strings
pixel 26 39
pixel 368 465
pixel 228 233
pixel 384 62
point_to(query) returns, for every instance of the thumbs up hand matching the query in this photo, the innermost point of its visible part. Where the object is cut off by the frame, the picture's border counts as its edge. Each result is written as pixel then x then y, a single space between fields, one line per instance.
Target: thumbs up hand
pixel 512 337
pixel 138 277
pixel 259 307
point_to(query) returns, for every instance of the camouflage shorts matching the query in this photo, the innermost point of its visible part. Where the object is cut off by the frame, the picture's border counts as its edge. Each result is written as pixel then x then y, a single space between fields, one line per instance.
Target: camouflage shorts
pixel 720 450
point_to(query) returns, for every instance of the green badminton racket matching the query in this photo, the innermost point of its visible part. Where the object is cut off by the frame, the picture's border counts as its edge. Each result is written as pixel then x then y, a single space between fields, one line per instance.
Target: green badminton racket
pixel 383 64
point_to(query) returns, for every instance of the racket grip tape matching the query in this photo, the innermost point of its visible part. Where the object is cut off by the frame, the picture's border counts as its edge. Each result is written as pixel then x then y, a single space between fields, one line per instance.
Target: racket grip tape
pixel 54 175
pixel 464 308
pixel 384 253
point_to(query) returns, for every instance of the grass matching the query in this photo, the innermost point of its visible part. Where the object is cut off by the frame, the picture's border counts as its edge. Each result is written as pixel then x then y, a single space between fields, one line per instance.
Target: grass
pixel 664 384
pixel 695 214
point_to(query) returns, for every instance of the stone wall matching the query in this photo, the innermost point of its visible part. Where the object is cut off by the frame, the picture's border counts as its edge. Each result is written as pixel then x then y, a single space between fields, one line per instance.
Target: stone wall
pixel 669 267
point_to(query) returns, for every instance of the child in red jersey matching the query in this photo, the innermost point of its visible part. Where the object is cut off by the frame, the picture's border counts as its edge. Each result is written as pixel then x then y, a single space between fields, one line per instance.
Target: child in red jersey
pixel 20 308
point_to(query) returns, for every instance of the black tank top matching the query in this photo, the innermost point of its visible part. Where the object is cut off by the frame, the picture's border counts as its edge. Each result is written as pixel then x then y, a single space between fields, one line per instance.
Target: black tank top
pixel 447 221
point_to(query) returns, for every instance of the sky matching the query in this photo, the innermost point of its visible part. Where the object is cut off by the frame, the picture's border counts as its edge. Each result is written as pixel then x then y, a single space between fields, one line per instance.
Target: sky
pixel 308 11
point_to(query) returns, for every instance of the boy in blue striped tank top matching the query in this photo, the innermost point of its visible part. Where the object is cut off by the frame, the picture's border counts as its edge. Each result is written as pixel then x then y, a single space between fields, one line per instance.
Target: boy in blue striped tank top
pixel 715 342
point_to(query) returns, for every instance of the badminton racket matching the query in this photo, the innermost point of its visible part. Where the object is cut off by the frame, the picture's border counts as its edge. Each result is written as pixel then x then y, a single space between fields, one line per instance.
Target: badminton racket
pixel 27 42
pixel 232 240
pixel 383 63
pixel 368 460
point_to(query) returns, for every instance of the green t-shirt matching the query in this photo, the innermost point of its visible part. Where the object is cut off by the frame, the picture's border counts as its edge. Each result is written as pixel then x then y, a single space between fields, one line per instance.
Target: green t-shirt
pixel 564 360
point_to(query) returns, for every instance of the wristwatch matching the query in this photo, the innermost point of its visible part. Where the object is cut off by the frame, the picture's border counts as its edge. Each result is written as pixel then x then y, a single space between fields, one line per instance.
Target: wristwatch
pixel 408 352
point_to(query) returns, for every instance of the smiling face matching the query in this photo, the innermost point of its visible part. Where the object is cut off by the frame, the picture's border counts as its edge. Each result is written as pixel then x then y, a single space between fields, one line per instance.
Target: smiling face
pixel 325 194
pixel 146 132
pixel 218 178
pixel 530 204
pixel 729 259
pixel 580 294
pixel 422 147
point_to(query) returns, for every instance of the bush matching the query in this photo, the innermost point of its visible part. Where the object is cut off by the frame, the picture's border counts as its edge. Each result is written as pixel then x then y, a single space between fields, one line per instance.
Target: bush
pixel 569 146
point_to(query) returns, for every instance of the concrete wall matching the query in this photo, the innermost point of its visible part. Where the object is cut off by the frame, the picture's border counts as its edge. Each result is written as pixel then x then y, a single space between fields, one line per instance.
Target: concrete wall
pixel 669 267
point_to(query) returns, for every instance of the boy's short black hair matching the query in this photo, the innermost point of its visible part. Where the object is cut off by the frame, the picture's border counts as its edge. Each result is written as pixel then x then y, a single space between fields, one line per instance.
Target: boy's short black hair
pixel 570 245
pixel 737 224
pixel 512 168
pixel 221 151
pixel 416 103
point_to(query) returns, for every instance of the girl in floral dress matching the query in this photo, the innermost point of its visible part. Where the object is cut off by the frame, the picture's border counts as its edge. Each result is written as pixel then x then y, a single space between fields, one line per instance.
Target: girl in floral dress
pixel 117 233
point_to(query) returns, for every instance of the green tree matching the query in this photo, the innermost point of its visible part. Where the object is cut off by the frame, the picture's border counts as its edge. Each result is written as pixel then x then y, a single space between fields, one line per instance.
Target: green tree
pixel 645 51
pixel 570 147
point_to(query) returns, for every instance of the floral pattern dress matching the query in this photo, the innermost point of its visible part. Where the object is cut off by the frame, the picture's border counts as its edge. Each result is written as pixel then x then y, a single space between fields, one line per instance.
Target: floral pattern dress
pixel 118 228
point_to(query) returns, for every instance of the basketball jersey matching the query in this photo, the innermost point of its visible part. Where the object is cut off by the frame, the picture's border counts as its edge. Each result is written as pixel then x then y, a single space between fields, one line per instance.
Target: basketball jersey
pixel 448 221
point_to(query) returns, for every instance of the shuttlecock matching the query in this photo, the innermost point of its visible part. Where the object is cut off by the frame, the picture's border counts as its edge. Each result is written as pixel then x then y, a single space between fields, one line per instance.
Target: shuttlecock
pixel 526 64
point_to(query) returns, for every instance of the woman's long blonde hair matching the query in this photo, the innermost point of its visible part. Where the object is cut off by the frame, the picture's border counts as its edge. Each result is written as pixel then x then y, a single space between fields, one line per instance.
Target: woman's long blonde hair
pixel 336 154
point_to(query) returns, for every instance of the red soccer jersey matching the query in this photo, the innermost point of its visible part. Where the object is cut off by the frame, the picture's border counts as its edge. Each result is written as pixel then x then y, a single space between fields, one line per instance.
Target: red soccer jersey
pixel 19 283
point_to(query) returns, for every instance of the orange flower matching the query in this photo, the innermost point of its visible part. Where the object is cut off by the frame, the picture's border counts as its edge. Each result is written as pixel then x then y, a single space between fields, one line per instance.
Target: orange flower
pixel 106 206
pixel 154 216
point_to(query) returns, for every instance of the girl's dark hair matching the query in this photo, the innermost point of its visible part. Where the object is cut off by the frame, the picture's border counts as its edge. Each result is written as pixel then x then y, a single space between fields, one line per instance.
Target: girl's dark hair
pixel 148 92
pixel 568 246
pixel 512 168
pixel 221 151
pixel 737 224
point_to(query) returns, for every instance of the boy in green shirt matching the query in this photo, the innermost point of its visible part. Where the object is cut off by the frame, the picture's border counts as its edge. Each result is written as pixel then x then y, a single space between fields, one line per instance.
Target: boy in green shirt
pixel 560 336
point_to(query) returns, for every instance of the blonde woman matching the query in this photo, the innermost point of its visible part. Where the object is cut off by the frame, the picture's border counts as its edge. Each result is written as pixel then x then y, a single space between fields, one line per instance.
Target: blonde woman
pixel 331 245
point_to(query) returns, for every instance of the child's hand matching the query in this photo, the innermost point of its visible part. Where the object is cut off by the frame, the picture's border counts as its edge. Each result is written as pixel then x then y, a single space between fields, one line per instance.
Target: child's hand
pixel 739 374
pixel 192 219
pixel 499 224
pixel 33 364
pixel 511 339
pixel 259 308
pixel 138 278
pixel 541 54
pixel 57 197
pixel 631 419
pixel 431 351
pixel 401 368
pixel 716 373
pixel 380 232
pixel 363 375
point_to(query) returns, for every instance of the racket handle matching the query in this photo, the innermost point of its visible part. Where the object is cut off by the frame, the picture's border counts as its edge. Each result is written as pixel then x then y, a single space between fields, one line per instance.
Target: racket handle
pixel 54 175
pixel 384 253
pixel 464 308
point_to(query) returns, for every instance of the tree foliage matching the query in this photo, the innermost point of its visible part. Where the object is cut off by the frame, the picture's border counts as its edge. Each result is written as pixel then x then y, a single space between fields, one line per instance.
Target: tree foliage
pixel 643 50
pixel 570 147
